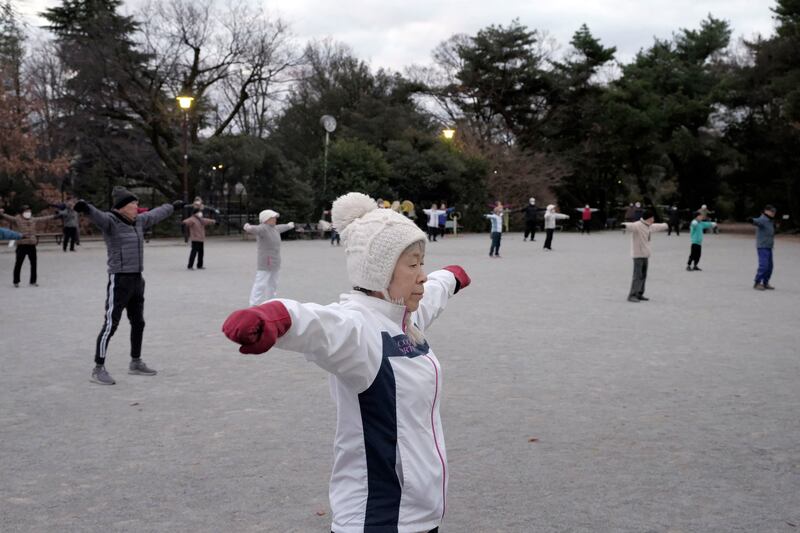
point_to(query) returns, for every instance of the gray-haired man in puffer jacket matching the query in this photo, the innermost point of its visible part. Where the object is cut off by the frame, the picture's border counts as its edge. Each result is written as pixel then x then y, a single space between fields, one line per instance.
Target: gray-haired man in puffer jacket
pixel 123 230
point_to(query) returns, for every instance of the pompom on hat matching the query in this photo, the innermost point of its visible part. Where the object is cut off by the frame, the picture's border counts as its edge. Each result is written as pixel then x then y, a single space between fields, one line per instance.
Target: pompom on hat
pixel 373 238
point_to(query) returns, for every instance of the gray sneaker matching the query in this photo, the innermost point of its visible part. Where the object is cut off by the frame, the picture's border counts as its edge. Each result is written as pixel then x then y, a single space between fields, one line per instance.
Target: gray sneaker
pixel 137 367
pixel 101 376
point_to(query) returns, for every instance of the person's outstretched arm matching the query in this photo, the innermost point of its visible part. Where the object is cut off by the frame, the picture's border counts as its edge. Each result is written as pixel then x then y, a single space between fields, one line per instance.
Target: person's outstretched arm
pixel 162 212
pixel 8 235
pixel 560 216
pixel 45 217
pixel 332 337
pixel 441 285
pixel 101 219
pixel 660 226
pixel 284 227
pixel 9 218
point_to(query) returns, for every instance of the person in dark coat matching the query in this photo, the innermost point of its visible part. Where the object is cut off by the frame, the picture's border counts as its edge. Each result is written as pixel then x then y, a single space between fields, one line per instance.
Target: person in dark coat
pixel 123 230
pixel 765 241
pixel 531 212
pixel 674 220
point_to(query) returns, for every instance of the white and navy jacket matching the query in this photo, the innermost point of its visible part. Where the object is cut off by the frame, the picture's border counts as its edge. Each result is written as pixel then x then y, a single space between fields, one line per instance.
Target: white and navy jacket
pixel 390 465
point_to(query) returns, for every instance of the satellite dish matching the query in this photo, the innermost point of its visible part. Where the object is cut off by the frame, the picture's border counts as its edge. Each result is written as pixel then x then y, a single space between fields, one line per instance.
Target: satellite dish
pixel 328 122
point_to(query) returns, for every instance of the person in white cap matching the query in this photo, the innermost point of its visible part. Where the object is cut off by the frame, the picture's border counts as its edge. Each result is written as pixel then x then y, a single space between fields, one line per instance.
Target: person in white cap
pixel 550 217
pixel 268 237
pixel 390 465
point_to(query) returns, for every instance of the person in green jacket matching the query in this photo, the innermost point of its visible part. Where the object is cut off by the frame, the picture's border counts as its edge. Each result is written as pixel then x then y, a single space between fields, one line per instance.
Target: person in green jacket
pixel 696 228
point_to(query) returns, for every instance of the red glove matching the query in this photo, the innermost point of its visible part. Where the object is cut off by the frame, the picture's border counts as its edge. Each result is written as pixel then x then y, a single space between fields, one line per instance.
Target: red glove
pixel 257 328
pixel 462 279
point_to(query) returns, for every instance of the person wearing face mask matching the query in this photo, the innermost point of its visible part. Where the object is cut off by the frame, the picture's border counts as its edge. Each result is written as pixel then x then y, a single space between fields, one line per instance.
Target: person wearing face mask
pixel 550 218
pixel 390 464
pixel 433 221
pixel 70 217
pixel 123 231
pixel 268 240
pixel 196 225
pixel 531 212
pixel 26 246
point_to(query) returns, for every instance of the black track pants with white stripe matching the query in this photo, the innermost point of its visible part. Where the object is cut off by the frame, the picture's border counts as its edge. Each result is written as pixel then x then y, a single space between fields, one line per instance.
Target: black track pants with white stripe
pixel 124 292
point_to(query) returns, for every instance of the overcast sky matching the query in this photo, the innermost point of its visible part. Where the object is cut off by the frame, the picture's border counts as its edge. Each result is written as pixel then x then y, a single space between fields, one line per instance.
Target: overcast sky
pixel 396 34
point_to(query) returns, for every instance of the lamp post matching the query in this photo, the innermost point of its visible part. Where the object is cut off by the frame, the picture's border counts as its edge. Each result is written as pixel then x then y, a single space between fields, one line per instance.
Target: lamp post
pixel 226 190
pixel 185 103
pixel 329 124
pixel 241 192
pixel 221 169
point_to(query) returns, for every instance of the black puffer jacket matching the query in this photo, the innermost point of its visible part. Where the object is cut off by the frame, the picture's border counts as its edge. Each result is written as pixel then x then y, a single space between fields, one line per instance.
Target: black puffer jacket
pixel 530 213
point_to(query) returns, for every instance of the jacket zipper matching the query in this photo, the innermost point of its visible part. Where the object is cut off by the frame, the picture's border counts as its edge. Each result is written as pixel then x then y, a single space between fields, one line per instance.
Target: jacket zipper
pixel 435 440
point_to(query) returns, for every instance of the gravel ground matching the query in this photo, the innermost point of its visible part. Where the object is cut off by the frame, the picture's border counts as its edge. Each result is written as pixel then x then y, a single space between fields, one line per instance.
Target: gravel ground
pixel 566 408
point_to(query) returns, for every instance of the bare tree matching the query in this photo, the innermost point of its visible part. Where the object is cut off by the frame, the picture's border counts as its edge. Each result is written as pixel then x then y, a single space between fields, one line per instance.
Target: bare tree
pixel 233 60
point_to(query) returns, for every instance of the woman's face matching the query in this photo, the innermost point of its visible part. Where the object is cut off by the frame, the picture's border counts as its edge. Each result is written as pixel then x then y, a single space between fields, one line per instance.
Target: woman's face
pixel 408 277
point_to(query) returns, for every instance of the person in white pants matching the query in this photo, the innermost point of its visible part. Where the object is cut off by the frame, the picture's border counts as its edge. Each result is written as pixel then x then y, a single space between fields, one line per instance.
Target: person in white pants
pixel 268 237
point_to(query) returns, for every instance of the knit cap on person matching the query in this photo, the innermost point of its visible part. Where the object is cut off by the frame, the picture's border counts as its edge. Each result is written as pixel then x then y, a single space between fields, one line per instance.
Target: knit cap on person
pixel 121 197
pixel 267 214
pixel 373 239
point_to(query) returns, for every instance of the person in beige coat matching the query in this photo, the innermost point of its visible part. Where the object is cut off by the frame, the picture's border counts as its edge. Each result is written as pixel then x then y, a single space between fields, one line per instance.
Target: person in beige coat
pixel 196 225
pixel 640 251
pixel 28 226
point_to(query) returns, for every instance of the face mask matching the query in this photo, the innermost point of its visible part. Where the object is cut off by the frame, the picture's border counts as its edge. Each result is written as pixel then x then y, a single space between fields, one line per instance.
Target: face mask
pixel 26 214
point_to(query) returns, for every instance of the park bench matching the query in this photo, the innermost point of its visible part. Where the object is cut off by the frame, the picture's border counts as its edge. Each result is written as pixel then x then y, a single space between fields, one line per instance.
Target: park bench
pixel 307 231
pixel 58 236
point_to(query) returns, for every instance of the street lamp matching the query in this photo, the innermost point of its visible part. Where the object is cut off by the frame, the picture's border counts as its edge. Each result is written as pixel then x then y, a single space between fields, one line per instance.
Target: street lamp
pixel 448 133
pixel 185 103
pixel 329 124
pixel 221 169
pixel 240 191
pixel 226 190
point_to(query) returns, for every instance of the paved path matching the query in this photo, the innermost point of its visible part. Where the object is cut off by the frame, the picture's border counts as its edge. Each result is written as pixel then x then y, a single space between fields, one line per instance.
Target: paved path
pixel 677 415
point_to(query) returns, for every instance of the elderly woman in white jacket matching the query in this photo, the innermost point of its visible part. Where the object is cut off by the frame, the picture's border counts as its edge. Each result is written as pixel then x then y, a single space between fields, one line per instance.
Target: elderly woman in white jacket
pixel 390 465
pixel 268 263
pixel 550 217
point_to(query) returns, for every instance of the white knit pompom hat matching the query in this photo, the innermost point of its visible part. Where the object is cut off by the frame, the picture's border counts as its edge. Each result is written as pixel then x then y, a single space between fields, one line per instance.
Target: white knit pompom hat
pixel 267 214
pixel 373 239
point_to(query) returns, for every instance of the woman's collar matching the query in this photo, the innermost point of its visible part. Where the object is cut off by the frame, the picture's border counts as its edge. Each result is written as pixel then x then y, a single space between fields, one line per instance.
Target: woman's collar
pixel 395 312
